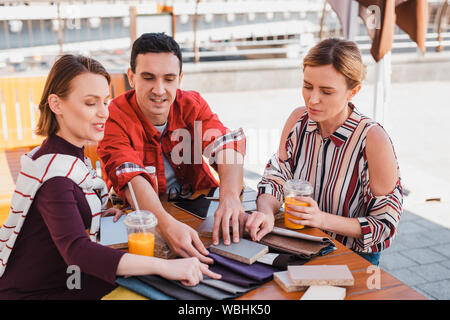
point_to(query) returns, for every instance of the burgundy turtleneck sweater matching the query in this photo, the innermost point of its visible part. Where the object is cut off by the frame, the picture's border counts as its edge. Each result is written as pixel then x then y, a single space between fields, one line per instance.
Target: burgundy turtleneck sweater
pixel 54 237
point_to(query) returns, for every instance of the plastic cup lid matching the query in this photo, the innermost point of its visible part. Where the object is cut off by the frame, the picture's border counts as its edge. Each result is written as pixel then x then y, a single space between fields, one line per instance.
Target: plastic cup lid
pixel 298 186
pixel 141 218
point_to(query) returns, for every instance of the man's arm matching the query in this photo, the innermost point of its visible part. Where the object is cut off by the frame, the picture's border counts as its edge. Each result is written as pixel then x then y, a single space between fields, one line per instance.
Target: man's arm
pixel 147 199
pixel 123 163
pixel 181 238
pixel 231 174
pixel 226 150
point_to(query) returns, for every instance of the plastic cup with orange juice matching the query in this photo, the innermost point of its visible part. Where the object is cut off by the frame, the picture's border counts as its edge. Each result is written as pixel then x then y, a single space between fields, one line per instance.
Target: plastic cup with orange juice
pixel 294 188
pixel 141 232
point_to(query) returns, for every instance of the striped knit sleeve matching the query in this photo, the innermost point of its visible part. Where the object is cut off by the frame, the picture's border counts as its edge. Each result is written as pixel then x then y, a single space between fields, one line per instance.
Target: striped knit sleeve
pixel 379 227
pixel 278 171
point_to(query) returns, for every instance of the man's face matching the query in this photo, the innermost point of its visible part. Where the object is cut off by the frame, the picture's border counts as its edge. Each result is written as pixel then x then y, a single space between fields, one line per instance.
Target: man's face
pixel 156 81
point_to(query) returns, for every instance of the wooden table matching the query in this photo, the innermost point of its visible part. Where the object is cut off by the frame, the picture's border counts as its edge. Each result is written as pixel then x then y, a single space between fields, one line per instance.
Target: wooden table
pixel 390 288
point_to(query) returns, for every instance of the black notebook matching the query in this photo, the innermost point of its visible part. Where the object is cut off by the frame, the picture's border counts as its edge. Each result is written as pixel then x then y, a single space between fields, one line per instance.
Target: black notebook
pixel 200 207
pixel 203 207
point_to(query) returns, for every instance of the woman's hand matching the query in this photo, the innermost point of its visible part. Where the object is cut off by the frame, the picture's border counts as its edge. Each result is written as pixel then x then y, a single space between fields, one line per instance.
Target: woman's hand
pixel 310 216
pixel 189 271
pixel 259 224
pixel 113 212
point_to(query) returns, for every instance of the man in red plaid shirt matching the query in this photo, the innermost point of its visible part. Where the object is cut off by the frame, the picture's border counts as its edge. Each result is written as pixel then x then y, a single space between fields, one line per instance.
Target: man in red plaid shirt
pixel 157 124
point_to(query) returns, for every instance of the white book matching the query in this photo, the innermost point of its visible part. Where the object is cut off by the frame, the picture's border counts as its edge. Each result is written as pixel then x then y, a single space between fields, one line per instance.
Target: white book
pixel 324 293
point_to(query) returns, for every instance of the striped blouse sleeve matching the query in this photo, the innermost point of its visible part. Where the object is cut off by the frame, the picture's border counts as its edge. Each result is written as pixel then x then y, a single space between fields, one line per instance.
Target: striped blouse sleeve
pixel 379 226
pixel 278 171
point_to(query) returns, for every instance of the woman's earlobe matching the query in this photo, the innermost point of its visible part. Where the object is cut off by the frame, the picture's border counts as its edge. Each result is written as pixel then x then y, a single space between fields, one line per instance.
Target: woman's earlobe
pixel 356 90
pixel 54 104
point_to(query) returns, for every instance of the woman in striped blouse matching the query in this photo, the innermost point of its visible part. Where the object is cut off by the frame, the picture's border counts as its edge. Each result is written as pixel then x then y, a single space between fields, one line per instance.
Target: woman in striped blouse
pixel 347 157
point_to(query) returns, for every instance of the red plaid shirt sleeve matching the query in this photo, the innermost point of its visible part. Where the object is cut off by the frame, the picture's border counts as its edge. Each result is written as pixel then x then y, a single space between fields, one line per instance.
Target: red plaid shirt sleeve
pixel 121 161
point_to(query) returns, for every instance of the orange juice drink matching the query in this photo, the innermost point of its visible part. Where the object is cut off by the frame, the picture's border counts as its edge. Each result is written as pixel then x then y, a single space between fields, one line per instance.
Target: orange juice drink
pixel 293 202
pixel 142 243
pixel 293 188
pixel 141 232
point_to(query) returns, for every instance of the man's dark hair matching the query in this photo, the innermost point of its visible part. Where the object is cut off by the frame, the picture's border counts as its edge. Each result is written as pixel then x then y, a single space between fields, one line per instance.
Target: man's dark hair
pixel 154 42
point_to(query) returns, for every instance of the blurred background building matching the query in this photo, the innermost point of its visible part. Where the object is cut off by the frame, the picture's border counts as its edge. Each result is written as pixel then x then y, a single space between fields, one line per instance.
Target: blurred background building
pixel 33 32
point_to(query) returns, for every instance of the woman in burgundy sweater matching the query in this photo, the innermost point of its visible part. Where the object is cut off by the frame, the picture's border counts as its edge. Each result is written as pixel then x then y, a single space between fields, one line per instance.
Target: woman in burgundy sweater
pixel 73 110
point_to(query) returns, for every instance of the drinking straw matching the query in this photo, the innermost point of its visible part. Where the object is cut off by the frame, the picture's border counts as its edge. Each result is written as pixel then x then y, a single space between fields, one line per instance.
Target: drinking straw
pixel 133 196
pixel 135 203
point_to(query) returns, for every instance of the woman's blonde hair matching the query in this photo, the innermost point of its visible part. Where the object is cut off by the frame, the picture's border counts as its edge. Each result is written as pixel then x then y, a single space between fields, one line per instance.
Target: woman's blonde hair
pixel 343 55
pixel 58 82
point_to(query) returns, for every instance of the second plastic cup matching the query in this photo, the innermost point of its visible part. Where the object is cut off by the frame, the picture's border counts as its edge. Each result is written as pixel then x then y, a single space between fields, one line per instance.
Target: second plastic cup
pixel 294 188
pixel 141 232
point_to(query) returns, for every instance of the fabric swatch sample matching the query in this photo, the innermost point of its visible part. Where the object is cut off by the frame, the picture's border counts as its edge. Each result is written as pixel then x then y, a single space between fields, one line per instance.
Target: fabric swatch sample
pixel 225 286
pixel 281 260
pixel 324 293
pixel 207 291
pixel 232 277
pixel 169 288
pixel 256 271
pixel 134 284
pixel 334 275
pixel 245 251
pixel 176 289
pixel 283 280
pixel 302 248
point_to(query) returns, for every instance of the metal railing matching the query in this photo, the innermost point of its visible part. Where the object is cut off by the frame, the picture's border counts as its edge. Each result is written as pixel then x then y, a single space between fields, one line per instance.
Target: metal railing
pixel 283 28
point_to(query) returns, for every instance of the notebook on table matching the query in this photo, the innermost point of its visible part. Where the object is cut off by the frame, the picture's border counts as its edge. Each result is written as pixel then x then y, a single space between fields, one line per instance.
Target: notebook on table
pixel 200 207
pixel 113 234
pixel 248 194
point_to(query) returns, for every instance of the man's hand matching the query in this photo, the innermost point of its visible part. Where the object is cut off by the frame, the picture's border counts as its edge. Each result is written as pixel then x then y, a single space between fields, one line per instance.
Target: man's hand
pixel 183 240
pixel 229 208
pixel 230 164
